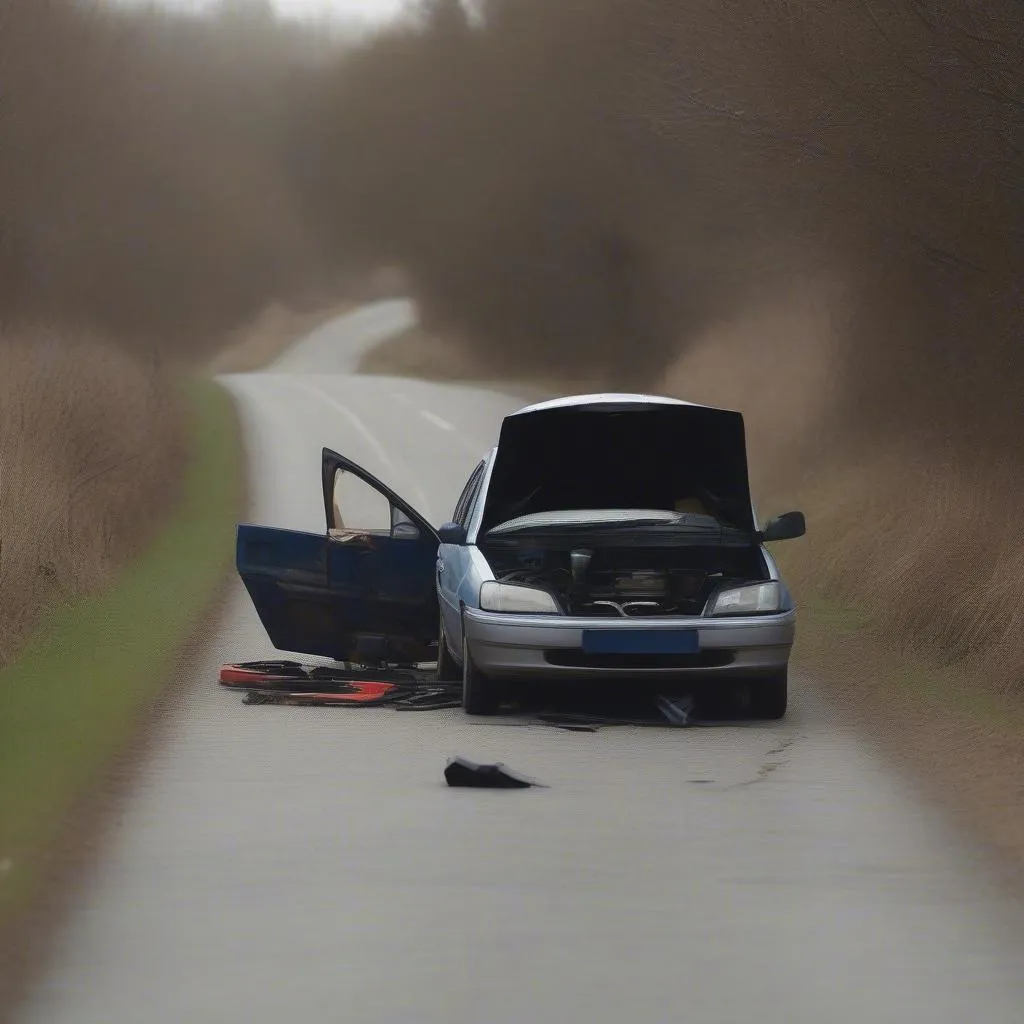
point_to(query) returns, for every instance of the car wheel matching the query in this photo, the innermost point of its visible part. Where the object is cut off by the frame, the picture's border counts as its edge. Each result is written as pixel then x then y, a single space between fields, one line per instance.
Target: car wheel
pixel 447 669
pixel 769 695
pixel 479 694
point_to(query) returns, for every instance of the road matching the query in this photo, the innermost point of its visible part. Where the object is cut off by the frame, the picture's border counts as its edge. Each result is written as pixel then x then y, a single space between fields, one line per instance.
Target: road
pixel 285 864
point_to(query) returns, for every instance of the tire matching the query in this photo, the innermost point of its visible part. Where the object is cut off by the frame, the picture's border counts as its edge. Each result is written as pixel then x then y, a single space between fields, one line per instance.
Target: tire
pixel 447 669
pixel 480 695
pixel 769 696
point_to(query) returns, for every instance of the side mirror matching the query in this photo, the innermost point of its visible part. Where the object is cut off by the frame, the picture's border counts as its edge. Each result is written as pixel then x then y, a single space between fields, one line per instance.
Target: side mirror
pixel 784 527
pixel 452 533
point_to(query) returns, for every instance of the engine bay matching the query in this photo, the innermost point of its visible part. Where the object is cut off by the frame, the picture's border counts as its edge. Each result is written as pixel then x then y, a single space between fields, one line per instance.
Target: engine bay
pixel 627 582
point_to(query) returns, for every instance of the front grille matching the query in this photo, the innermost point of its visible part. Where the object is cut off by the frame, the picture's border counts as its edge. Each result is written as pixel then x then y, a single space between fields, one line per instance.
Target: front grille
pixel 632 609
pixel 572 658
pixel 670 591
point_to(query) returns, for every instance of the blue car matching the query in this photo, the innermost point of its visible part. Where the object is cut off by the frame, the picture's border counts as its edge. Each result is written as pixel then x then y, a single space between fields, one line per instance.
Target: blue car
pixel 604 537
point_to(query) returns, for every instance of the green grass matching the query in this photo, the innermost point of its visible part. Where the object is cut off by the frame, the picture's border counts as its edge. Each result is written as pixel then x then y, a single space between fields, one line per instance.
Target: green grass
pixel 76 696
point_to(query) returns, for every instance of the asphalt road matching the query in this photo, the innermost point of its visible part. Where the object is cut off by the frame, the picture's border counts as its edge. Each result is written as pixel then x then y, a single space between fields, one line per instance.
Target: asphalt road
pixel 285 864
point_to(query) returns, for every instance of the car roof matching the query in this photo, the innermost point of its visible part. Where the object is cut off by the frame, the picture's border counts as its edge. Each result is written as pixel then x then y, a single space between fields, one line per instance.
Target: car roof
pixel 608 398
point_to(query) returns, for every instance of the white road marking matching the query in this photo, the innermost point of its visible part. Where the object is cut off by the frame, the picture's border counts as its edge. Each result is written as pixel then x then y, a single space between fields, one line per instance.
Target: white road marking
pixel 436 420
pixel 379 450
pixel 422 502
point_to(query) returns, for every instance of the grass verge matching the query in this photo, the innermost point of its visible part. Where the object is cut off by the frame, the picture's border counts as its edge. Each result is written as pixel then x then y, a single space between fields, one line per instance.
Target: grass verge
pixel 75 697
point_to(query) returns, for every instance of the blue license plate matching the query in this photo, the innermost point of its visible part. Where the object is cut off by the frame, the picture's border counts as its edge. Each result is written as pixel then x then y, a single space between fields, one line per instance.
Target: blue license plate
pixel 641 641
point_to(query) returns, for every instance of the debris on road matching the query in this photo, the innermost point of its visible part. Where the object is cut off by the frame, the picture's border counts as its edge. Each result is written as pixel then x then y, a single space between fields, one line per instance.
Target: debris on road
pixel 560 723
pixel 322 678
pixel 460 771
pixel 290 683
pixel 437 699
pixel 358 695
pixel 417 688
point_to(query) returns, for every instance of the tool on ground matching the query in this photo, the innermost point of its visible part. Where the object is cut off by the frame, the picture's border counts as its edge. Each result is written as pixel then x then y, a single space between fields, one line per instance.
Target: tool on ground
pixel 345 685
pixel 353 694
pixel 437 699
pixel 415 688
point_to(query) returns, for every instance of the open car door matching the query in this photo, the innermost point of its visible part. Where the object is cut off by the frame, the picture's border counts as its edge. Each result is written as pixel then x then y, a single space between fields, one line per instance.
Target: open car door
pixel 362 591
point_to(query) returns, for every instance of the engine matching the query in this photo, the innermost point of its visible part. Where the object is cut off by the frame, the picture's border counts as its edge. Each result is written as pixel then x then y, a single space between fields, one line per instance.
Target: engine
pixel 625 583
pixel 610 588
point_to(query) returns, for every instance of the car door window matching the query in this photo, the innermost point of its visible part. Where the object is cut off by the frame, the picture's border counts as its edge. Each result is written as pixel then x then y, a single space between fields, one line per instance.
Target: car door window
pixel 356 503
pixel 358 507
pixel 361 512
pixel 469 493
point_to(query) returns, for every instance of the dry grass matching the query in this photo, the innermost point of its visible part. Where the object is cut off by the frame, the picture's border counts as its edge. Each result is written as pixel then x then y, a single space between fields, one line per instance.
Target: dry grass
pixel 90 456
pixel 935 545
pixel 153 189
pixel 604 184
pixel 928 538
pixel 150 196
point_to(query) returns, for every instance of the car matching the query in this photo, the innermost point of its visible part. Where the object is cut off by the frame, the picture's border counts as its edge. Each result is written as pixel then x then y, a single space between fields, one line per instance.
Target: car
pixel 605 537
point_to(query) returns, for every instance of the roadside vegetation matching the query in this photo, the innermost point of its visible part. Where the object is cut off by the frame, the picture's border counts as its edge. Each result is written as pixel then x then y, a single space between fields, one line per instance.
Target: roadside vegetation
pixel 151 232
pixel 72 702
pixel 150 220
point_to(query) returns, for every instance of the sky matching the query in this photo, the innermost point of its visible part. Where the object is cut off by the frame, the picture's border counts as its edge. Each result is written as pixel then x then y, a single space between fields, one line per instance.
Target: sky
pixel 377 10
pixel 362 10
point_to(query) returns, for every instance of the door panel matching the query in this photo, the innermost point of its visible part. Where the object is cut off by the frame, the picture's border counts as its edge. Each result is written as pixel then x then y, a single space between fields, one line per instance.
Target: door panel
pixel 384 585
pixel 341 599
pixel 452 560
pixel 285 574
pixel 364 590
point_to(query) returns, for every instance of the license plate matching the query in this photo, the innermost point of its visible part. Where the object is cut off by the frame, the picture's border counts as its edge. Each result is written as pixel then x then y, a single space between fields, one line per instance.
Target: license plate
pixel 641 641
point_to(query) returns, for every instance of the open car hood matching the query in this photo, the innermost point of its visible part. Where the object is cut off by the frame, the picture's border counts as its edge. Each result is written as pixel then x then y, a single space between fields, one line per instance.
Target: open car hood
pixel 615 451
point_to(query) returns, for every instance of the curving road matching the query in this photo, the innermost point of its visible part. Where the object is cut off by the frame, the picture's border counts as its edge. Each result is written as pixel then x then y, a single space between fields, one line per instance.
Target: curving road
pixel 284 864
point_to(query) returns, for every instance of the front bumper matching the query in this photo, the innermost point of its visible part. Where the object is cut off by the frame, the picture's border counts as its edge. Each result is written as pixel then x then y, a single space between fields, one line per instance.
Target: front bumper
pixel 532 646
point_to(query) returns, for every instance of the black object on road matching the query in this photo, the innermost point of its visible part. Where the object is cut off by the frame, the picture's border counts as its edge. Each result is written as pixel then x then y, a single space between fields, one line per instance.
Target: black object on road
pixel 460 771
pixel 558 723
pixel 437 699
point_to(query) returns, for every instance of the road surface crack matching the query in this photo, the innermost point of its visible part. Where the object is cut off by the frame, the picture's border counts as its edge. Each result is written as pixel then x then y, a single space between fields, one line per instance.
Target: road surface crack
pixel 772 761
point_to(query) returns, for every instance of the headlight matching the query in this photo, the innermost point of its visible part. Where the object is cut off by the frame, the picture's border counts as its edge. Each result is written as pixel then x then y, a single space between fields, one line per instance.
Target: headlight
pixel 755 599
pixel 508 597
